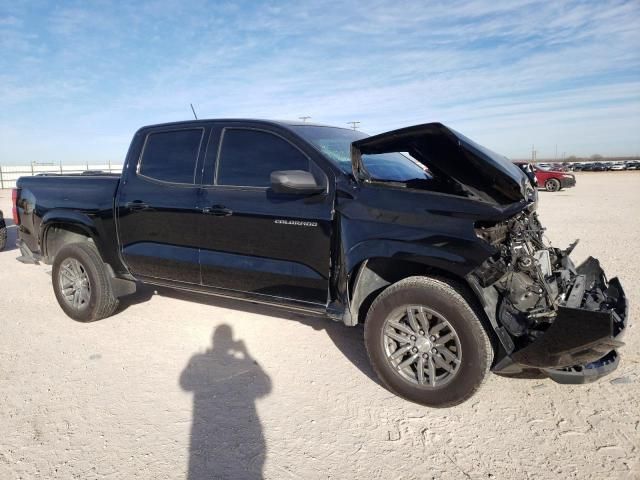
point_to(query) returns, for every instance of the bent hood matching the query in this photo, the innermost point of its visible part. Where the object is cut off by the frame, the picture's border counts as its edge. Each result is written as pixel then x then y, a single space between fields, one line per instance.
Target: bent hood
pixel 450 156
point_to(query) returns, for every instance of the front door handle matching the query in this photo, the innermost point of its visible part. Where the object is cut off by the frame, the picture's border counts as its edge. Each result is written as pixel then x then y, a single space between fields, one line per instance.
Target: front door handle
pixel 218 210
pixel 137 205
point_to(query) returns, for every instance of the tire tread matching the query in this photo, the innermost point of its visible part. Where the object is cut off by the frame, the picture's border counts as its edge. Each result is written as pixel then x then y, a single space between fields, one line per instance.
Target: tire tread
pixel 106 301
pixel 3 238
pixel 462 299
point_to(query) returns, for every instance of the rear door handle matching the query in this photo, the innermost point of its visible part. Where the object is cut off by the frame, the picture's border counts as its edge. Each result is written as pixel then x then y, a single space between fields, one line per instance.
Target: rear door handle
pixel 137 205
pixel 218 210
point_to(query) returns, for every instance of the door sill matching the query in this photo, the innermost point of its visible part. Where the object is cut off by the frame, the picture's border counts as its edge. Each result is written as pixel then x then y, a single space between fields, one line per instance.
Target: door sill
pixel 285 303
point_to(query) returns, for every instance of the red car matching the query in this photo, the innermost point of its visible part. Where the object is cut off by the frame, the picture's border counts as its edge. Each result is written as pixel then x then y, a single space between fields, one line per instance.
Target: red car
pixel 550 180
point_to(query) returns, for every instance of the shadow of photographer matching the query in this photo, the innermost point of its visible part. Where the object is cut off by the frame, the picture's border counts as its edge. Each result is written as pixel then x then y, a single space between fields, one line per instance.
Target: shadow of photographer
pixel 348 340
pixel 226 435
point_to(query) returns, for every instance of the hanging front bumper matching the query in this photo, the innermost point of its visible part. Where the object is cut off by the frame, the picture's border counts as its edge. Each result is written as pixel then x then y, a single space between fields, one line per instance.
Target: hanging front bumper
pixel 580 345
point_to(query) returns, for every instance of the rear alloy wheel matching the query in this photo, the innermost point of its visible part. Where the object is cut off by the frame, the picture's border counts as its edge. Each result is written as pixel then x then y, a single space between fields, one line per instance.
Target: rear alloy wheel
pixel 80 283
pixel 552 185
pixel 75 284
pixel 426 343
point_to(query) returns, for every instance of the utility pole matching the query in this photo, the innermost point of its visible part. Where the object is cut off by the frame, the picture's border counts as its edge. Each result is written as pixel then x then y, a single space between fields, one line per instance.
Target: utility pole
pixel 305 118
pixel 533 154
pixel 555 159
pixel 354 125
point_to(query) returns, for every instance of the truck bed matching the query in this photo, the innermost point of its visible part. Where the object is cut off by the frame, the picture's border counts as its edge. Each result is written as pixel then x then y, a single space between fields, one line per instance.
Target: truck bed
pixel 89 198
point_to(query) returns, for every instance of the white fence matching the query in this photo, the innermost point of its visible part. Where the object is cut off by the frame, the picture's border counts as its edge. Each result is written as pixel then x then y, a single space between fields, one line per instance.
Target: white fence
pixel 10 173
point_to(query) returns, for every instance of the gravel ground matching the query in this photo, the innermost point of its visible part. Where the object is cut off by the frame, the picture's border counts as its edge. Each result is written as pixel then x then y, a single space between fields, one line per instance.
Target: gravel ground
pixel 176 385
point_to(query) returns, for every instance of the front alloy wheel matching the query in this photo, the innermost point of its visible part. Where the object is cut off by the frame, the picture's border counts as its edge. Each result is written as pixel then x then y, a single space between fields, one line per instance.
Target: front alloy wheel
pixel 426 342
pixel 422 346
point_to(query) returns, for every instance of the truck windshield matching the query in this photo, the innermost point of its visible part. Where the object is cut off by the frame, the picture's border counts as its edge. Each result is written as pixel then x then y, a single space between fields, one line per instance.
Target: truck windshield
pixel 335 144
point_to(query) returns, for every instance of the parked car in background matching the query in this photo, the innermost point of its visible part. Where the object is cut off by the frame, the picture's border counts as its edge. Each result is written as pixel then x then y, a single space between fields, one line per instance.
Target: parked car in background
pixel 558 167
pixel 618 166
pixel 3 232
pixel 599 167
pixel 550 180
pixel 633 165
pixel 430 239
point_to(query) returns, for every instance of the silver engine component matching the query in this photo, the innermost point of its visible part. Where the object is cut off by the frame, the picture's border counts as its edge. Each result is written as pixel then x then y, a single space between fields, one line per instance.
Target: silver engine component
pixel 524 294
pixel 544 261
pixel 528 274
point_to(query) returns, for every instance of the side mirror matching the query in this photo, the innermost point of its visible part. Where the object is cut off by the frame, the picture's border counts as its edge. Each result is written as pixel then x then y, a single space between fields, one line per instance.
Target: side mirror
pixel 295 182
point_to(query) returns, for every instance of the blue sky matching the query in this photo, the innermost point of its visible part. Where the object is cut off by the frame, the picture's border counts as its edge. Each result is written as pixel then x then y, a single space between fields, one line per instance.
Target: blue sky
pixel 78 78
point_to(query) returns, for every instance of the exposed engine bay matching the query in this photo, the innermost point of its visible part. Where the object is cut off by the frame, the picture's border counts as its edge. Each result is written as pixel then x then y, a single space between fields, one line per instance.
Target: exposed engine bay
pixel 549 315
pixel 539 286
pixel 533 278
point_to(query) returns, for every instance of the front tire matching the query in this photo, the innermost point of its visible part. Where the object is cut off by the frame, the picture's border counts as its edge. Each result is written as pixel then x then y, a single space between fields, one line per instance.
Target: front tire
pixel 426 343
pixel 552 185
pixel 81 284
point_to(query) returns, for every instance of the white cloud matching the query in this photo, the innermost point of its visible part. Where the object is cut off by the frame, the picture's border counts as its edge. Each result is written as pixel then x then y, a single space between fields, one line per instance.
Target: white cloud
pixel 511 73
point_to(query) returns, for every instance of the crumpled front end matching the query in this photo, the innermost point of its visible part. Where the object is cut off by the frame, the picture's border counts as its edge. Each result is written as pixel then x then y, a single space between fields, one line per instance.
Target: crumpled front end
pixel 580 345
pixel 550 316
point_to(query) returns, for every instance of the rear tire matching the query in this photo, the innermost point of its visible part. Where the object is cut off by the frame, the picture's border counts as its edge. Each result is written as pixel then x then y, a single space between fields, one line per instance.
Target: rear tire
pixel 81 284
pixel 3 238
pixel 451 347
pixel 552 185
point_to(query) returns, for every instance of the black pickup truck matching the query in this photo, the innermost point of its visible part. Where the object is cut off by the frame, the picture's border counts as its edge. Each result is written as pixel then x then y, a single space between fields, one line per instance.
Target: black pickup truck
pixel 429 239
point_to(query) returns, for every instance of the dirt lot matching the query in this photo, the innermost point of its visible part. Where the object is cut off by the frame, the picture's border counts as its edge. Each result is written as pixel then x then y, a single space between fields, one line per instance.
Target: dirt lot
pixel 117 398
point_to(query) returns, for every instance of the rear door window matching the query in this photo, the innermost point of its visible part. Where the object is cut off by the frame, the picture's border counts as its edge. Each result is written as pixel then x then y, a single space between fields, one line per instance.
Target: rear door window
pixel 247 157
pixel 171 156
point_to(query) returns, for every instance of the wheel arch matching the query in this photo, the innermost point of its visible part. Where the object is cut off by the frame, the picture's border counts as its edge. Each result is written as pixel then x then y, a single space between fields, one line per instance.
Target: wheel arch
pixel 59 229
pixel 373 275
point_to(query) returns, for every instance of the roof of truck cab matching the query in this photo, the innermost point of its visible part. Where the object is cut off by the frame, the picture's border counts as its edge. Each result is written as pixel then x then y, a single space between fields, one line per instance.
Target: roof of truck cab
pixel 280 123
